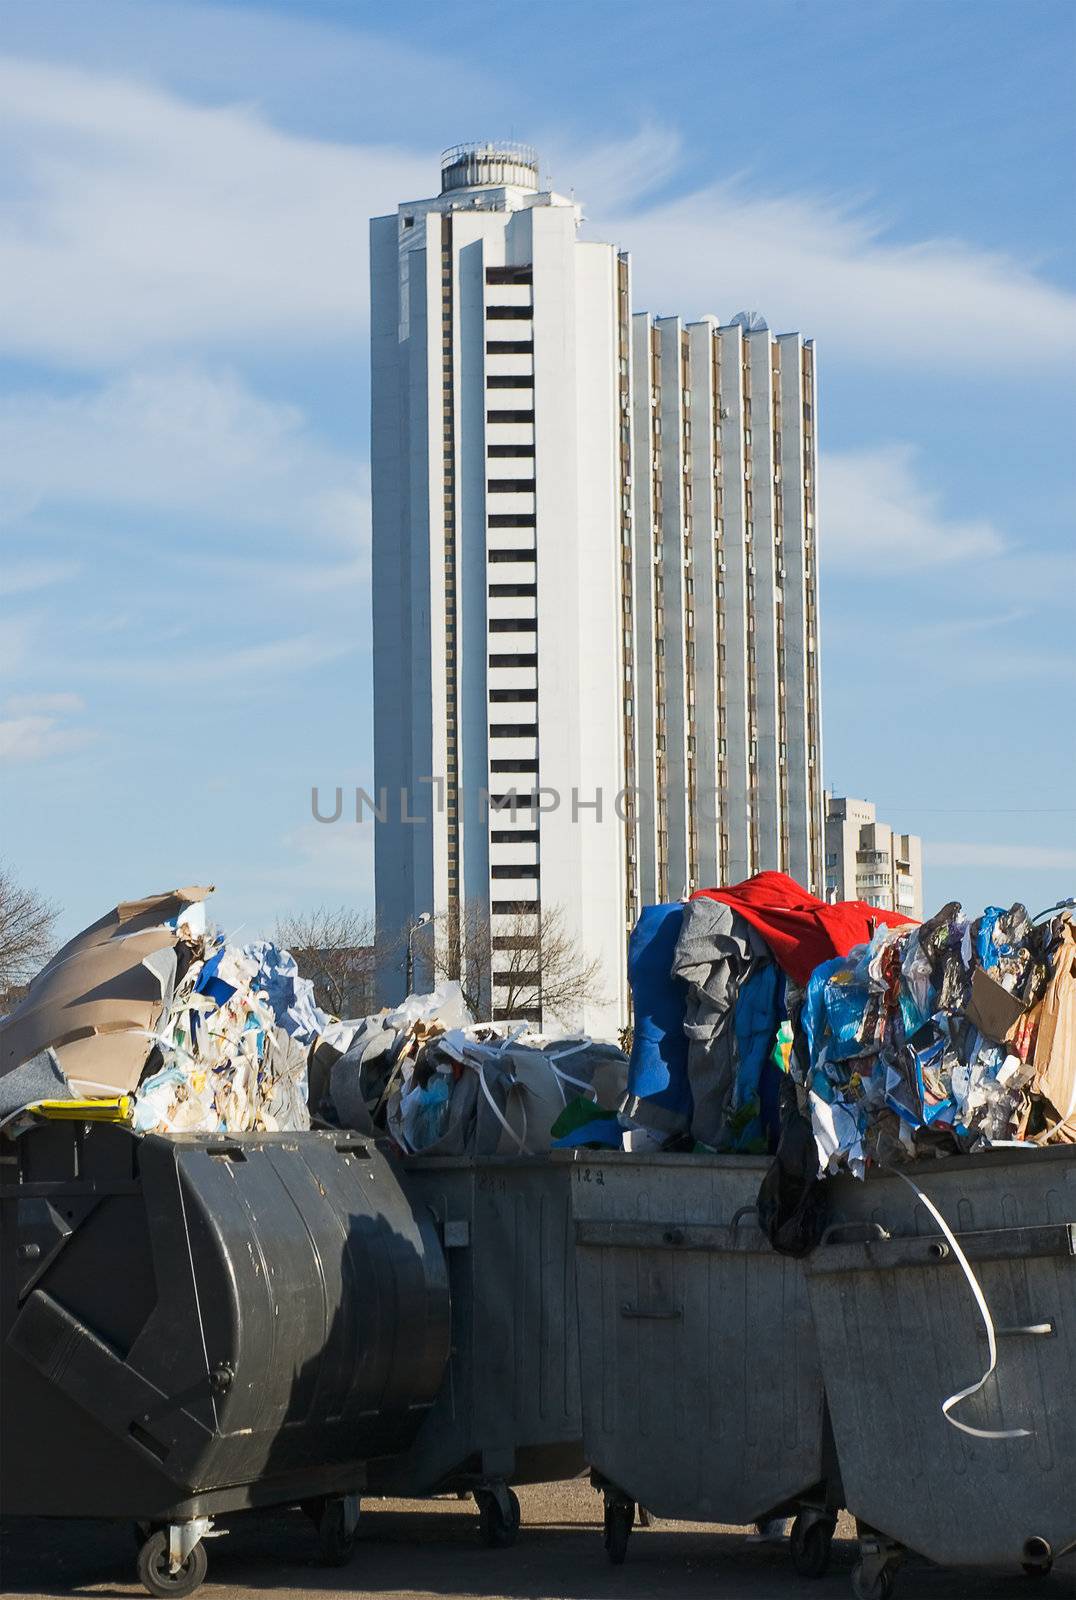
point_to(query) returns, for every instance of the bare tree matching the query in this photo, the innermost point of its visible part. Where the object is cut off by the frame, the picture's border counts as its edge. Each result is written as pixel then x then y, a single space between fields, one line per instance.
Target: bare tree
pixel 458 946
pixel 525 967
pixel 335 949
pixel 26 933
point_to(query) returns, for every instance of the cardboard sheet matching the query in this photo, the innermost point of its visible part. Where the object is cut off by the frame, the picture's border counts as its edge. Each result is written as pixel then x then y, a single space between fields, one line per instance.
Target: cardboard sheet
pixel 98 998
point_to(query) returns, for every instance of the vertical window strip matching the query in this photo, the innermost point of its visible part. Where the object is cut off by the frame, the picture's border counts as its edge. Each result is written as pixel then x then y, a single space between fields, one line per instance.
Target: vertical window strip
pixel 452 776
pixel 686 579
pixel 628 686
pixel 661 811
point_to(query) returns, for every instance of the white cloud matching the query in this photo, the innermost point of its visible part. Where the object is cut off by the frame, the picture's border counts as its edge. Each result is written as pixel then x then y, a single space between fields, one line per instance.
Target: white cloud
pixel 36 738
pixel 612 175
pixel 177 438
pixel 31 705
pixel 17 634
pixel 37 726
pixel 1014 857
pixel 876 516
pixel 142 221
pixel 232 670
pixel 817 263
pixel 23 577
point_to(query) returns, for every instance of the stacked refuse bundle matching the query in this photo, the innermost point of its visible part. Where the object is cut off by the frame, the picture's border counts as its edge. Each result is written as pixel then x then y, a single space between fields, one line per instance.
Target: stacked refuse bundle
pixel 893 1039
pixel 153 1016
pixel 958 1034
pixel 230 1052
pixel 712 979
pixel 440 1084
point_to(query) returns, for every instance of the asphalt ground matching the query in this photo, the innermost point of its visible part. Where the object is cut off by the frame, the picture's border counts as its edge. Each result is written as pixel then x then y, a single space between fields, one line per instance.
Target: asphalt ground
pixel 429 1550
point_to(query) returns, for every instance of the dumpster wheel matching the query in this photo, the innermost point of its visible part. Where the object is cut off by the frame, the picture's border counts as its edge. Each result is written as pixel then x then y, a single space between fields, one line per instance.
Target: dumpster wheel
pixel 335 1518
pixel 811 1545
pixel 497 1528
pixel 155 1572
pixel 619 1521
pixel 876 1585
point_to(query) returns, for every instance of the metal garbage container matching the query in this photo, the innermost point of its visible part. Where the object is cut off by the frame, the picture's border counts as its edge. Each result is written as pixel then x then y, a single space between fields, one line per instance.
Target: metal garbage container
pixel 899 1332
pixel 508 1412
pixel 193 1325
pixel 701 1388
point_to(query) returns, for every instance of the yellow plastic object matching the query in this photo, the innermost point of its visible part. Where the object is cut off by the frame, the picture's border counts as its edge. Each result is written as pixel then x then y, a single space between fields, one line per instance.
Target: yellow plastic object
pixel 117 1110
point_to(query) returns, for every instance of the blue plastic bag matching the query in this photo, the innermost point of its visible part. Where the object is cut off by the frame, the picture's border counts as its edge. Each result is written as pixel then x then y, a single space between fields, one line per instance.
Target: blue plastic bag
pixel 657 1071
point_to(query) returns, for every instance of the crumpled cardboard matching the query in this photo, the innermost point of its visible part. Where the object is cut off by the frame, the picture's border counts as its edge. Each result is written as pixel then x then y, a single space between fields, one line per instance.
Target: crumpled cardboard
pixel 100 996
pixel 1055 1044
pixel 992 1009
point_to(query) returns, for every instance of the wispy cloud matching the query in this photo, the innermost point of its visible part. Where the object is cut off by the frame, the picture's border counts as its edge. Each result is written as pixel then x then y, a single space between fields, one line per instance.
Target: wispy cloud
pixel 36 727
pixel 1015 857
pixel 207 226
pixel 146 222
pixel 607 177
pixel 234 671
pixel 23 577
pixel 17 635
pixel 32 705
pixel 184 438
pixel 824 264
pixel 880 516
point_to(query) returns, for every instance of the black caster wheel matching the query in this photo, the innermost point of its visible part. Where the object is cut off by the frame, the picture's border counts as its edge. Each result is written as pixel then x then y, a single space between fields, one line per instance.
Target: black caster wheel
pixel 155 1574
pixel 619 1521
pixel 811 1545
pixel 880 1587
pixel 496 1530
pixel 1038 1569
pixel 336 1543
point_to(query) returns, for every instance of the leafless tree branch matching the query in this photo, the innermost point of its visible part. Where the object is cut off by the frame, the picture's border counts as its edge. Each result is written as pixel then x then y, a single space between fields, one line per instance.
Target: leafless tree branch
pixel 520 967
pixel 334 948
pixel 27 922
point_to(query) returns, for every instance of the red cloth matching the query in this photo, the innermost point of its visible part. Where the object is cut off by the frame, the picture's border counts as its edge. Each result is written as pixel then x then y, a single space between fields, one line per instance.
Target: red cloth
pixel 801 930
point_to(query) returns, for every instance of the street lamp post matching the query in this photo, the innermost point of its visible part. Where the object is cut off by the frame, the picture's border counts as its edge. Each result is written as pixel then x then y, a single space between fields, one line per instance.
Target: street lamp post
pixel 411 931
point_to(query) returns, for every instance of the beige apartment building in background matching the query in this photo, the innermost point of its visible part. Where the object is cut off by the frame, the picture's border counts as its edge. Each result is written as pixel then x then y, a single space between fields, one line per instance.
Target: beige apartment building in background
pixel 867 860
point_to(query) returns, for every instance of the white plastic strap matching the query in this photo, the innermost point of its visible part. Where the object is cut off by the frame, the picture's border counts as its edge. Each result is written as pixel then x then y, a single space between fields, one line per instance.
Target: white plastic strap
pixel 980 1300
pixel 573 1048
pixel 495 1108
pixel 566 1077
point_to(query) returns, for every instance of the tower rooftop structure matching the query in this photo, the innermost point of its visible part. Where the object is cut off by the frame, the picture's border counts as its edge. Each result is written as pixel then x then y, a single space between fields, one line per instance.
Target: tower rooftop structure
pixel 489 165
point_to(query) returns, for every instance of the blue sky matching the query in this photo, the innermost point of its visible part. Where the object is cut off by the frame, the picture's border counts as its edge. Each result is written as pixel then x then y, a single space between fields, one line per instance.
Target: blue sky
pixel 184 192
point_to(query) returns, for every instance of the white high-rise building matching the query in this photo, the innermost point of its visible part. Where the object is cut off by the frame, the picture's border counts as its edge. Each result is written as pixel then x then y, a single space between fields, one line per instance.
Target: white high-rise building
pixel 594 579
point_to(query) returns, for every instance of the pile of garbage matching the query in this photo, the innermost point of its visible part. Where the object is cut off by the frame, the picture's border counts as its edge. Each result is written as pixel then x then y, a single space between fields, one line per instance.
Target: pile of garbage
pixel 441 1084
pixel 151 1017
pixel 151 1013
pixel 955 1035
pixel 759 1004
pixel 712 981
